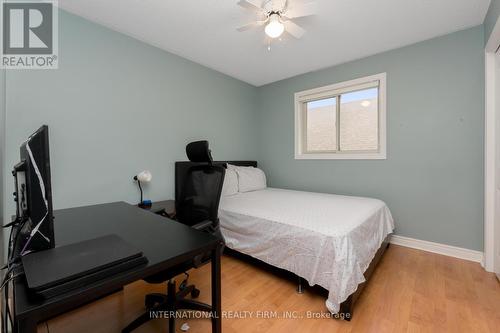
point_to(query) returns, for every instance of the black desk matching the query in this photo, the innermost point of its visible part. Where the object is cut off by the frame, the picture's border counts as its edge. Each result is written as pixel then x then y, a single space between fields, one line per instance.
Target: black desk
pixel 164 244
pixel 158 206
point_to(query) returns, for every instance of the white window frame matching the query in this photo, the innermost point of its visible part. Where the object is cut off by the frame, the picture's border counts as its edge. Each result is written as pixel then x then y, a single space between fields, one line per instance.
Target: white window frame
pixel 302 97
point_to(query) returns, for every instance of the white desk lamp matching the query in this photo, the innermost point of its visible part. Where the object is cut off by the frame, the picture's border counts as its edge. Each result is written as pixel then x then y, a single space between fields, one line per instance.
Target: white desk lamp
pixel 145 177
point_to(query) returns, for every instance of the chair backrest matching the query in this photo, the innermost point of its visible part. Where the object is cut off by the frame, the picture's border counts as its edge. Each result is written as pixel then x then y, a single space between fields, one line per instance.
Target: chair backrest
pixel 197 199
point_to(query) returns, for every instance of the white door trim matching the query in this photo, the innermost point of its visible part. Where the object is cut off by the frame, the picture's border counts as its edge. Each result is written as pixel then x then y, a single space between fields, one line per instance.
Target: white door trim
pixel 490 148
pixel 489 162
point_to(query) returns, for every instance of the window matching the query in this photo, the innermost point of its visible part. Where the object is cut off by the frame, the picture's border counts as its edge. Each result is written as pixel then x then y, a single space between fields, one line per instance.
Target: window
pixel 342 121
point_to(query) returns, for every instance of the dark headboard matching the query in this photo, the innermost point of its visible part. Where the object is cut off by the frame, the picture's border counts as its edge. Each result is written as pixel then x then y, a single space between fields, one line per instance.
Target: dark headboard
pixel 240 163
pixel 181 169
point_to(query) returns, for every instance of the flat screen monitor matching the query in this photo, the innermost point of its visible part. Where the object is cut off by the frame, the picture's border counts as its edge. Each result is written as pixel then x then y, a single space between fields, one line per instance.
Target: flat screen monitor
pixel 33 194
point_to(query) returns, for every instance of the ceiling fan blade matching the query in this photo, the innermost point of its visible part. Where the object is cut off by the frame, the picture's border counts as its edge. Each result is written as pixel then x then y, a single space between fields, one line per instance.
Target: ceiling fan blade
pixel 251 26
pixel 285 6
pixel 251 4
pixel 294 29
pixel 279 5
pixel 301 10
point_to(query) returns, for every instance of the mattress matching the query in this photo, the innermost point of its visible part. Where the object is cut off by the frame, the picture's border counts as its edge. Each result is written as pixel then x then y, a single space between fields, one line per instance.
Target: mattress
pixel 329 240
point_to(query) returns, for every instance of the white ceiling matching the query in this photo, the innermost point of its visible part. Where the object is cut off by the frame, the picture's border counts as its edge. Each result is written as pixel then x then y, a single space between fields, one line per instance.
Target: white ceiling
pixel 204 31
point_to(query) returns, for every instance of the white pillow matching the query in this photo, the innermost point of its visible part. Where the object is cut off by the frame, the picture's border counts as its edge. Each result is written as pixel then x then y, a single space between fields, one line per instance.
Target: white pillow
pixel 230 185
pixel 250 179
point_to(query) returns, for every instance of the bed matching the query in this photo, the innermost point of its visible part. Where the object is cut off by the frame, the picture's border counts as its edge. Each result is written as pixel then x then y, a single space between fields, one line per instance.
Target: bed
pixel 329 240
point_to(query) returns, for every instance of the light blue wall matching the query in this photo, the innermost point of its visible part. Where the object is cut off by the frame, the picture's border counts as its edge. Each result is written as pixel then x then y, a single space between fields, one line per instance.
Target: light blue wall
pixel 117 106
pixel 491 18
pixel 2 148
pixel 432 179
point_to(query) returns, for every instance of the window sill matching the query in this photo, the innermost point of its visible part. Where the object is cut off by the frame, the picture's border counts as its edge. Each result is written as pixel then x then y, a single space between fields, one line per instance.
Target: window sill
pixel 341 156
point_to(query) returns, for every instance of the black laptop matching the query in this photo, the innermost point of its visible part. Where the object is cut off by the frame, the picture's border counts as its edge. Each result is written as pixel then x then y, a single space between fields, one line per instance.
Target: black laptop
pixel 61 269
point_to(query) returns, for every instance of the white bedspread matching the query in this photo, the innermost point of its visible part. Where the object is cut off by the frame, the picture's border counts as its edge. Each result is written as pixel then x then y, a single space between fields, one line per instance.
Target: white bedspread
pixel 327 239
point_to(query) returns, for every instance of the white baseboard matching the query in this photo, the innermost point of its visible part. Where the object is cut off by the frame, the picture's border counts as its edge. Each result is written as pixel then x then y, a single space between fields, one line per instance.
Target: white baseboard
pixel 447 250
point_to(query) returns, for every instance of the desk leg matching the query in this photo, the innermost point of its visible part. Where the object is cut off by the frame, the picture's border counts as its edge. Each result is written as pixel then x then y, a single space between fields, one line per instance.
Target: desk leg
pixel 216 291
pixel 25 326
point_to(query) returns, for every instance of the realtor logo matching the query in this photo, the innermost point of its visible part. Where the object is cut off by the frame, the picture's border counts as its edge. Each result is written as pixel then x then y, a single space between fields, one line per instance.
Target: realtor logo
pixel 29 35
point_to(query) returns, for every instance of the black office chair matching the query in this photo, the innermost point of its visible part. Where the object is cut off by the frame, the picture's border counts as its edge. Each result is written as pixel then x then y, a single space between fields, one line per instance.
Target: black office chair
pixel 198 191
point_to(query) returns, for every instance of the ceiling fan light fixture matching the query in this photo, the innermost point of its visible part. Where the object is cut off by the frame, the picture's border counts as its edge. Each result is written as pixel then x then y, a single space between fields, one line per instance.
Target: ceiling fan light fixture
pixel 274 28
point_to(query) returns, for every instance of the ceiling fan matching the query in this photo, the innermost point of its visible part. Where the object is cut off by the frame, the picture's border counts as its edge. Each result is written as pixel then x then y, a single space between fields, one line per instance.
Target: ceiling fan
pixel 277 16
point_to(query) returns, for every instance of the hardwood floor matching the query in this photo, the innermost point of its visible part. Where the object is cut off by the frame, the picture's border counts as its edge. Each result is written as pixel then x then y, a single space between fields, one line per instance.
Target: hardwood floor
pixel 410 291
